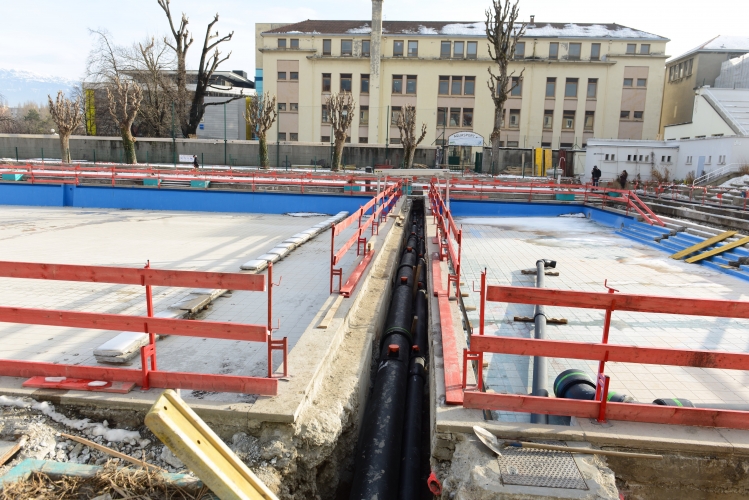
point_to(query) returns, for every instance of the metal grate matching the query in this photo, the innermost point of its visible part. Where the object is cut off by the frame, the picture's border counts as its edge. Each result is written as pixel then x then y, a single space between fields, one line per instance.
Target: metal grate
pixel 531 467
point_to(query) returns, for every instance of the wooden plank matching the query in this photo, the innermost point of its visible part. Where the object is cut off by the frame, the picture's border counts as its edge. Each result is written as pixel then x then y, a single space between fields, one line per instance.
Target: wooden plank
pixel 699 246
pixel 632 412
pixel 10 448
pixel 348 288
pixel 618 301
pixel 718 250
pixel 120 322
pixel 325 323
pixel 451 360
pixel 133 276
pixel 78 384
pixel 610 352
pixel 204 453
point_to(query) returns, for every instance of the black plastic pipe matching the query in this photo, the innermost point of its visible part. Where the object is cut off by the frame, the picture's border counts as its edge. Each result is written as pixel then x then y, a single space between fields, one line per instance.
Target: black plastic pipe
pixel 421 334
pixel 410 485
pixel 576 384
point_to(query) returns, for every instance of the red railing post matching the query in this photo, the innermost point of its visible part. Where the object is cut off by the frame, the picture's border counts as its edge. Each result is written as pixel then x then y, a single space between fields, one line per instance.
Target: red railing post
pixel 479 358
pixel 148 352
pixel 602 396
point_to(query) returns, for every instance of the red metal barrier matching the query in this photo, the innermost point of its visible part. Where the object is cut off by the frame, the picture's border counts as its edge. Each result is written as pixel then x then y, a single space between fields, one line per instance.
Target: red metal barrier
pixel 379 206
pixel 147 376
pixel 603 352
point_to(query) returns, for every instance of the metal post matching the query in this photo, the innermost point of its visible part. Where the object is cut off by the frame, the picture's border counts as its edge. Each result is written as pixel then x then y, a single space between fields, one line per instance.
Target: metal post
pixel 447 193
pixel 42 156
pixel 17 154
pixel 202 160
pixel 540 375
pixel 174 140
pixel 94 156
pixel 225 162
pixel 387 133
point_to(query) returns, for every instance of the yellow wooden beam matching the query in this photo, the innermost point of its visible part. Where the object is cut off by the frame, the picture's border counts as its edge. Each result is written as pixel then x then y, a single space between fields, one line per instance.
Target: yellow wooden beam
pixel 704 244
pixel 193 442
pixel 720 249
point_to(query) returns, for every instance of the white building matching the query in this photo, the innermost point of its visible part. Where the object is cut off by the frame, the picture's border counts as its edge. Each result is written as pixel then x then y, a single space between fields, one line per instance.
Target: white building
pixel 734 73
pixel 716 113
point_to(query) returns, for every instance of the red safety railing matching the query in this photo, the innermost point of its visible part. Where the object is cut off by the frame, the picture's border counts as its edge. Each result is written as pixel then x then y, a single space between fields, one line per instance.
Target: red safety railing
pixel 379 206
pixel 149 375
pixel 449 236
pixel 603 352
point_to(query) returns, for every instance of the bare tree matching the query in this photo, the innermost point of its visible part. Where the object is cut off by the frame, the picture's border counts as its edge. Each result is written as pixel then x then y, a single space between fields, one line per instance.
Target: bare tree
pixel 260 117
pixel 67 116
pixel 124 103
pixel 407 127
pixel 503 32
pixel 341 107
pixel 7 123
pixel 189 121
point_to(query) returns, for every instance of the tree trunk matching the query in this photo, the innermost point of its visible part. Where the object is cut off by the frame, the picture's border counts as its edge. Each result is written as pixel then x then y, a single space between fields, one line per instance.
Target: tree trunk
pixel 65 147
pixel 337 154
pixel 408 158
pixel 128 144
pixel 498 111
pixel 264 160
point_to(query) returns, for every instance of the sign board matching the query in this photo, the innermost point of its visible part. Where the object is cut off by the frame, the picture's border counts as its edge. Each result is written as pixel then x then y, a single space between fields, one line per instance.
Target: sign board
pixel 186 158
pixel 465 139
pixel 201 126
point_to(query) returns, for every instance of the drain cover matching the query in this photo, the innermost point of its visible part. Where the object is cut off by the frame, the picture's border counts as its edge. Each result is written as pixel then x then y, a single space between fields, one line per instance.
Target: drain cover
pixel 532 467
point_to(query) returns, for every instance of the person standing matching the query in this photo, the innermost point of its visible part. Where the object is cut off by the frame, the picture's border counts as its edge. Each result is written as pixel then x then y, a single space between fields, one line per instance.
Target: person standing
pixel 596 175
pixel 623 179
pixel 195 163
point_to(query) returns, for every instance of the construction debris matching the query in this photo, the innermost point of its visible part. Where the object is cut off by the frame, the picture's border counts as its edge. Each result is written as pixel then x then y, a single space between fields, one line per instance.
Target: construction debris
pixel 550 321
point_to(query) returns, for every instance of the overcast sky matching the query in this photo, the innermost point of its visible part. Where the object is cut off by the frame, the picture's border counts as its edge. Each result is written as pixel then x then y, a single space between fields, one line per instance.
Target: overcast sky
pixel 51 37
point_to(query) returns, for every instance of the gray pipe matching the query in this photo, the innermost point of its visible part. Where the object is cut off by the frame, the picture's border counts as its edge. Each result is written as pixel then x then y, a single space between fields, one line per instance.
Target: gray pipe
pixel 540 374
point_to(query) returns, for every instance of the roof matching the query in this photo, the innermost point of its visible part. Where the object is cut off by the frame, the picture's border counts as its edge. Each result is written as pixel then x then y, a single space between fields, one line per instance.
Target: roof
pixel 470 29
pixel 732 105
pixel 721 43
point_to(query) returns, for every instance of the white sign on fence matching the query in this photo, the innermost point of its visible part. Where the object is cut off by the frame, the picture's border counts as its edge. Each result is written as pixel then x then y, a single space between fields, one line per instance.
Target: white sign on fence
pixel 186 158
pixel 465 139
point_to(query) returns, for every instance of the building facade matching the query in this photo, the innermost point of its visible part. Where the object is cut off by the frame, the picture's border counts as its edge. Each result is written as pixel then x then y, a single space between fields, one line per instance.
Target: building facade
pixel 715 113
pixel 698 67
pixel 576 81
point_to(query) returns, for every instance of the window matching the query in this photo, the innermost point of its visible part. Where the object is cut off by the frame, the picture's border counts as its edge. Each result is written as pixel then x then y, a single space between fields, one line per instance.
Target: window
pixel 457 86
pixel 568 120
pixel 570 87
pixel 365 84
pixel 624 115
pixel 346 47
pixel 709 160
pixel 640 158
pixel 468 117
pixel 595 51
pixel 444 87
pixel 282 136
pixel 631 48
pixel 282 106
pixel 514 118
pixel 363 115
pixel 395 140
pixel 325 116
pixel 326 47
pixel 281 43
pixel 411 84
pixel 470 86
pixel 670 73
pixel 326 82
pixel 607 157
pixel 548 119
pixel 689 160
pixel 520 50
pixel 668 159
pixel 398 48
pixel 516 86
pixel 551 87
pixel 454 117
pixel 592 87
pixel 441 117
pixel 574 52
pixel 445 48
pixel 294 106
pixel 689 66
pixel 645 49
pixel 395 113
pixel 722 160
pixel 546 145
pixel 363 140
pixel 681 70
pixel 294 75
pixel 589 120
pixel 294 45
pixel 638 115
pixel 413 48
pixel 365 49
pixel 325 138
pixel 472 50
pixel 554 50
pixel 628 82
pixel 397 84
pixel 294 136
pixel 716 135
pixel 642 82
pixel 282 75
pixel 629 157
pixel 345 82
pixel 458 49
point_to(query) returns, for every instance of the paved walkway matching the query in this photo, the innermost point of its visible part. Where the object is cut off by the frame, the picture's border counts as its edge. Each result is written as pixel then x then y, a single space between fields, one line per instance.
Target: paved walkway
pixel 588 253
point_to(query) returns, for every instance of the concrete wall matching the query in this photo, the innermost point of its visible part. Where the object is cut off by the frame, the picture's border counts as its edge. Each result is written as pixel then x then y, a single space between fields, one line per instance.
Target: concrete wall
pixel 705 121
pixel 209 152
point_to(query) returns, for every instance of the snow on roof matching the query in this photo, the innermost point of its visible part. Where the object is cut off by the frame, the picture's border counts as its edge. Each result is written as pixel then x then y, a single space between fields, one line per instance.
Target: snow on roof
pixel 721 43
pixel 735 106
pixel 469 29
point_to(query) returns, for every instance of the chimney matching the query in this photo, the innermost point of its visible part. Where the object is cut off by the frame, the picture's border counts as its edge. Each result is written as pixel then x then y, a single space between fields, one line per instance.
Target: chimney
pixel 533 18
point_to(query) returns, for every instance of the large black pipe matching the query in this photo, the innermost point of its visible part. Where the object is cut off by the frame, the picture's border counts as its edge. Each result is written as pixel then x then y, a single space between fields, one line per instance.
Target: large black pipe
pixel 400 316
pixel 421 334
pixel 576 384
pixel 410 486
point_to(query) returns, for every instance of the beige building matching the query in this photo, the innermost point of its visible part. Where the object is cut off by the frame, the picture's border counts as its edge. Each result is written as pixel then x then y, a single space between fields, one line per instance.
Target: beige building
pixel 698 67
pixel 579 81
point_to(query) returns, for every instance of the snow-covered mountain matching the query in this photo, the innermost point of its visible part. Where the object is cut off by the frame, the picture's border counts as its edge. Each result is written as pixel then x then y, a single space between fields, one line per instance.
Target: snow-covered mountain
pixel 20 86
